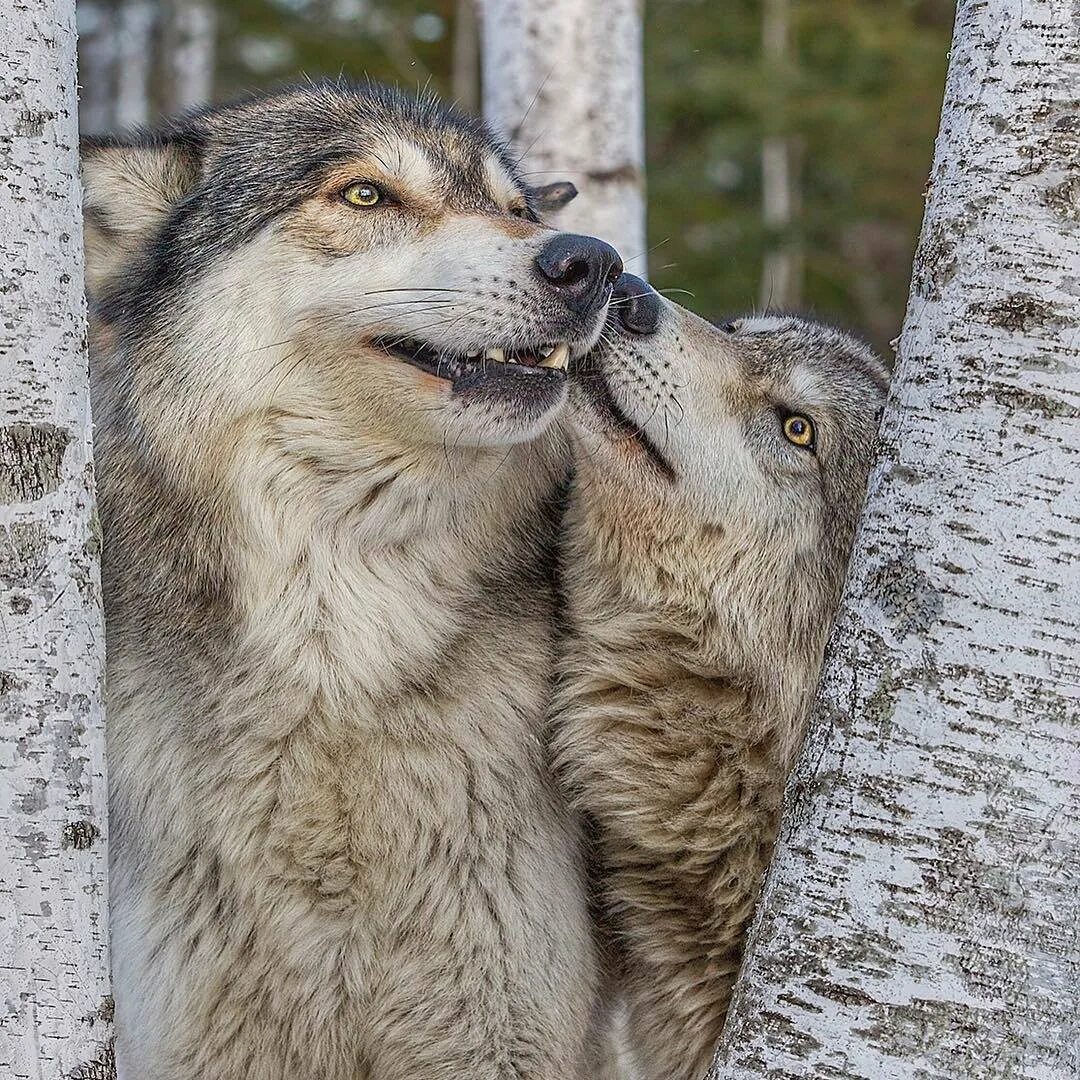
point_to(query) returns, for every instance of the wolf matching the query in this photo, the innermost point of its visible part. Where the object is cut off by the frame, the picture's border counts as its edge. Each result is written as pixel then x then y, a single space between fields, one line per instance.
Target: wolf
pixel 718 479
pixel 329 341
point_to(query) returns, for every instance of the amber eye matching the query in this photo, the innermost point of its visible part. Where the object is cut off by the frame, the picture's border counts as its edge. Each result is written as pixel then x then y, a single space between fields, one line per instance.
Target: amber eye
pixel 800 431
pixel 360 194
pixel 519 211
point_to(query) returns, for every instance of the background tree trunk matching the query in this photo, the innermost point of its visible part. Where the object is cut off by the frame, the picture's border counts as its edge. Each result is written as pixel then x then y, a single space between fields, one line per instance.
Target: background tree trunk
pixel 189 46
pixel 922 914
pixel 97 66
pixel 53 945
pixel 465 70
pixel 135 42
pixel 781 274
pixel 563 81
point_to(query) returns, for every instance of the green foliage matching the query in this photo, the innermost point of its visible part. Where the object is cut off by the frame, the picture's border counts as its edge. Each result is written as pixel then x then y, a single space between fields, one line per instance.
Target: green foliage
pixel 860 98
pixel 263 42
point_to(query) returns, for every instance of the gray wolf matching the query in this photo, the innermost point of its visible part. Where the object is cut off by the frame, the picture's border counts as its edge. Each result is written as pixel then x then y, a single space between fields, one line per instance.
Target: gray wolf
pixel 719 474
pixel 330 336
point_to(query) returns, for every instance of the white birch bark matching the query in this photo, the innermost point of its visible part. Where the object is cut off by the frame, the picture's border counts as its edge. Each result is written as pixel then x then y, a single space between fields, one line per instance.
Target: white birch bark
pixel 190 47
pixel 922 915
pixel 57 1019
pixel 97 66
pixel 563 81
pixel 135 36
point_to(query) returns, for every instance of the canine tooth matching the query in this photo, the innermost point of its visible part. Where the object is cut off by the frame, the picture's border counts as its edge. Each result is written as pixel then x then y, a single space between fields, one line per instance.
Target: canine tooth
pixel 498 355
pixel 558 358
pixel 474 355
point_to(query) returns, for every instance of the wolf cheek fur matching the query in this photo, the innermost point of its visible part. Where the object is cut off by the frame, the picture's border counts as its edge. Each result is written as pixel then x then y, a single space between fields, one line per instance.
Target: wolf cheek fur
pixel 327 479
pixel 704 549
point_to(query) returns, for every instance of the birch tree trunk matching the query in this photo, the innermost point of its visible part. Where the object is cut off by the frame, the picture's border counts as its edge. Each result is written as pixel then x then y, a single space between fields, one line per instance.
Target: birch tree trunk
pixel 97 66
pixel 563 81
pixel 465 72
pixel 190 41
pixel 135 35
pixel 53 943
pixel 922 915
pixel 781 274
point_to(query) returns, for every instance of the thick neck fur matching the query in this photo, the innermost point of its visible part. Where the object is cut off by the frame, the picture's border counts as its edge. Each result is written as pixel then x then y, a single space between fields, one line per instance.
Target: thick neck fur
pixel 693 600
pixel 346 573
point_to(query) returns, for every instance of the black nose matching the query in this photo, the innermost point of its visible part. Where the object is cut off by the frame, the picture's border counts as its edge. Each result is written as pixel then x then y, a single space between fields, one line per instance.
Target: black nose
pixel 581 268
pixel 637 304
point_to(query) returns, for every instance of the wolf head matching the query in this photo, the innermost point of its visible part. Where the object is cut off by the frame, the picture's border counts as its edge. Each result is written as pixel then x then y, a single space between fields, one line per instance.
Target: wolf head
pixel 372 266
pixel 723 468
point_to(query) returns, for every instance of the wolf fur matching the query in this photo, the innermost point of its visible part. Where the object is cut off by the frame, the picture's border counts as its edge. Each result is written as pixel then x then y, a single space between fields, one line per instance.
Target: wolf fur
pixel 337 851
pixel 703 557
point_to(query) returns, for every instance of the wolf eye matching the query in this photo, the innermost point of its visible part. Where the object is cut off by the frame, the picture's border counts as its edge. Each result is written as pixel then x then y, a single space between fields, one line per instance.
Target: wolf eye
pixel 360 194
pixel 519 212
pixel 800 431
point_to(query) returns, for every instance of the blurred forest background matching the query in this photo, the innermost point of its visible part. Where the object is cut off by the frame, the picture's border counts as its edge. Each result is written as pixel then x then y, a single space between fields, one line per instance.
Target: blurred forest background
pixel 788 141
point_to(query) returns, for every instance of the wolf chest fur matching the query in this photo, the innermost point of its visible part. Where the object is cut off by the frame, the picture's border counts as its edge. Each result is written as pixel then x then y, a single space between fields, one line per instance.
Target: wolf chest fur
pixel 329 340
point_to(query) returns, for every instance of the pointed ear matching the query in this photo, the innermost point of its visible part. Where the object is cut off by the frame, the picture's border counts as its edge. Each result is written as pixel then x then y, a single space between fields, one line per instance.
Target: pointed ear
pixel 555 196
pixel 128 191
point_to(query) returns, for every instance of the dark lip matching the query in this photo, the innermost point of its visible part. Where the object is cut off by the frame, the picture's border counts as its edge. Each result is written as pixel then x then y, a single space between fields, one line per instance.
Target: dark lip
pixel 592 378
pixel 464 373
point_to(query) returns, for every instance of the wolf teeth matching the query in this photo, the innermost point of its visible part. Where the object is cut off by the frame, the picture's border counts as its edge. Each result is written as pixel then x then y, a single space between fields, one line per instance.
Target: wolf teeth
pixel 558 358
pixel 498 355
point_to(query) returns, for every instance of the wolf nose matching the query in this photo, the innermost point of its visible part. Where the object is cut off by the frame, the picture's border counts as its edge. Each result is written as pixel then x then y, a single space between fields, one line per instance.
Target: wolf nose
pixel 579 267
pixel 637 304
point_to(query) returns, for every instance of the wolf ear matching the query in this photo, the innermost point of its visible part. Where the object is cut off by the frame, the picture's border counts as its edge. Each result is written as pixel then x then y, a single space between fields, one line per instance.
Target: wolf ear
pixel 553 196
pixel 128 191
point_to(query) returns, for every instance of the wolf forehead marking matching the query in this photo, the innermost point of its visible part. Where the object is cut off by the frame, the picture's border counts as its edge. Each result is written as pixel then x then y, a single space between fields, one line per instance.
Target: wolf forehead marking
pixel 286 138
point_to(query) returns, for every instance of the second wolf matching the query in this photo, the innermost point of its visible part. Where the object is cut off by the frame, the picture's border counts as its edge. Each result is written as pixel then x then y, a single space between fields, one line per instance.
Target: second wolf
pixel 329 334
pixel 718 479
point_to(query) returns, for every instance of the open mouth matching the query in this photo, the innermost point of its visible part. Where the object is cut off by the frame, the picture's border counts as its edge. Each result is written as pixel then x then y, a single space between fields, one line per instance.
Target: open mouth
pixel 545 361
pixel 598 390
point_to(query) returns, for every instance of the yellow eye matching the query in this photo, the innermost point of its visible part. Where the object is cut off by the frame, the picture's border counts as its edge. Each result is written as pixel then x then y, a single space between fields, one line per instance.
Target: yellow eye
pixel 799 430
pixel 361 194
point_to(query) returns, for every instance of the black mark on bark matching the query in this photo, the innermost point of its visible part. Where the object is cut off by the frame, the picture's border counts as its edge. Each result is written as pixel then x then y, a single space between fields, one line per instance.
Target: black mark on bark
pixel 31 456
pixel 8 682
pixel 23 549
pixel 80 835
pixel 1017 312
pixel 630 174
pixel 906 595
pixel 935 263
pixel 1064 198
pixel 103 1067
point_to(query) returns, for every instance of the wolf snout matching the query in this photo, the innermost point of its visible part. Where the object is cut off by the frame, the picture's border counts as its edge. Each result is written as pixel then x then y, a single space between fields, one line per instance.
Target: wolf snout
pixel 580 269
pixel 637 304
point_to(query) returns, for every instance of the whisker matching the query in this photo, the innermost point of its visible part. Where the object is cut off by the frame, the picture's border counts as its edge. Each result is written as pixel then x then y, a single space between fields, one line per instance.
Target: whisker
pixel 521 123
pixel 647 251
pixel 414 288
